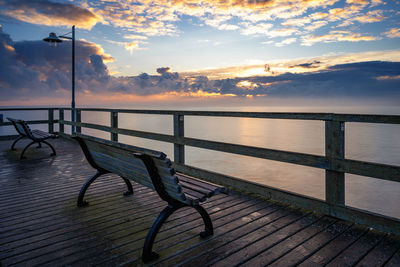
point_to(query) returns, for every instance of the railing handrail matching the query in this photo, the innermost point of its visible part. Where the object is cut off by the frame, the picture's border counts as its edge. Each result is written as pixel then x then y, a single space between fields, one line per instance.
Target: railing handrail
pixel 367 118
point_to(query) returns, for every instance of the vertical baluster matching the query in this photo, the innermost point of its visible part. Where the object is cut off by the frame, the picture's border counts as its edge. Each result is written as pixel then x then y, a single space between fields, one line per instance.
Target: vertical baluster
pixel 179 150
pixel 114 125
pixel 334 149
pixel 61 118
pixel 51 120
pixel 78 119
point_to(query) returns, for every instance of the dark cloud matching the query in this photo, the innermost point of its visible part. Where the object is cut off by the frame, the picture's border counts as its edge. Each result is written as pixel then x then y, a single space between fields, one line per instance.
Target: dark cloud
pixel 34 69
pixel 163 70
pixel 314 64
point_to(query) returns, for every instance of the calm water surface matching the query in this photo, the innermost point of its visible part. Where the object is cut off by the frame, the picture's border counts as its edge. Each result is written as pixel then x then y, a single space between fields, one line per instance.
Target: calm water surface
pixel 368 142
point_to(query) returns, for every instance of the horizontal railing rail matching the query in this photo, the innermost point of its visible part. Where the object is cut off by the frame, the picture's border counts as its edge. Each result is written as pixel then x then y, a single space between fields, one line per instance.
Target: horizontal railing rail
pixel 333 162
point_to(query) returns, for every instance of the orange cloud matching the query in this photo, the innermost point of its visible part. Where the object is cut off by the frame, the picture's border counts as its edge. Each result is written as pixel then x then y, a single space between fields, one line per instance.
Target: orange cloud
pixel 388 77
pixel 393 33
pixel 51 13
pixel 371 16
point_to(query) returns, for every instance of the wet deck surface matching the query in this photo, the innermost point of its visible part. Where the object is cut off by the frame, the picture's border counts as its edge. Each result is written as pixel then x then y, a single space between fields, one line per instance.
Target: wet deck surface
pixel 41 225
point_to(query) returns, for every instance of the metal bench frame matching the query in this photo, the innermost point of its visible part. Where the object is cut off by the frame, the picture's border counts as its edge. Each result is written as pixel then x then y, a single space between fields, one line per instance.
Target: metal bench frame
pixel 36 136
pixel 173 204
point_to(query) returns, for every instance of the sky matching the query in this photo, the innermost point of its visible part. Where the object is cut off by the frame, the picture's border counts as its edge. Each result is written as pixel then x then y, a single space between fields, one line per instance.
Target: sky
pixel 157 51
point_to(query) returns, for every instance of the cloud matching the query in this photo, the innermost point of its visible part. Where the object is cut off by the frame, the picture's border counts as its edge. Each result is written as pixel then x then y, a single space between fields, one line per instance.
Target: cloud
pixel 163 70
pixel 45 12
pixel 393 33
pixel 297 22
pixel 316 25
pixel 308 65
pixel 286 42
pixel 135 37
pixel 370 17
pixel 129 46
pixel 32 70
pixel 336 36
pixel 260 28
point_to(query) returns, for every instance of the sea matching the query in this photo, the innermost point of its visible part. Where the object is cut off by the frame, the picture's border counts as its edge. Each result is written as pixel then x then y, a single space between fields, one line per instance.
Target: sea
pixel 370 142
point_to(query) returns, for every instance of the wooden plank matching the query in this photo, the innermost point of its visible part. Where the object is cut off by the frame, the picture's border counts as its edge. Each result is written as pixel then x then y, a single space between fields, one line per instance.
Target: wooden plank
pixel 376 170
pixel 324 254
pixel 382 252
pixel 394 260
pixel 354 253
pixel 266 239
pixel 278 250
pixel 309 247
pixel 393 119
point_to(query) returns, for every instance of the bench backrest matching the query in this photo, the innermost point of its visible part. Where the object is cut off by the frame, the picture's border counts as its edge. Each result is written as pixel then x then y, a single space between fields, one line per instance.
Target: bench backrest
pixel 21 127
pixel 127 162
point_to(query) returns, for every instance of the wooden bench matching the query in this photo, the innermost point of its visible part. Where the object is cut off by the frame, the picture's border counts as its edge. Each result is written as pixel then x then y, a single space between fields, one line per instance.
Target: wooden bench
pixel 151 169
pixel 36 136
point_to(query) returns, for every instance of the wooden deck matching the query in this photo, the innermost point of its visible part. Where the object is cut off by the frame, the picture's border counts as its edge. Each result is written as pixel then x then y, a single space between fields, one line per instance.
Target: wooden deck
pixel 41 225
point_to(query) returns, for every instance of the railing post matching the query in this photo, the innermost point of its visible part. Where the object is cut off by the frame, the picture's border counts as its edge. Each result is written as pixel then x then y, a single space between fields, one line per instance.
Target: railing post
pixel 78 119
pixel 179 131
pixel 334 149
pixel 114 125
pixel 60 118
pixel 51 120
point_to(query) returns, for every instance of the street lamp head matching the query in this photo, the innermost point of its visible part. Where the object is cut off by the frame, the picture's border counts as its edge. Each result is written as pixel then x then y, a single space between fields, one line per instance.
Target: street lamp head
pixel 52 39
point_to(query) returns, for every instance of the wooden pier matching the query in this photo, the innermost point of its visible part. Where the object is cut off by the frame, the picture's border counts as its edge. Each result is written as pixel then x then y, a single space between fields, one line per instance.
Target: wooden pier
pixel 41 224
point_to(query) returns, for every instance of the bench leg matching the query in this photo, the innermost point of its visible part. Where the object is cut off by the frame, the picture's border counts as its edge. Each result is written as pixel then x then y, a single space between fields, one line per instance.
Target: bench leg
pixel 148 254
pixel 16 140
pixel 209 230
pixel 23 151
pixel 81 202
pixel 52 148
pixel 129 185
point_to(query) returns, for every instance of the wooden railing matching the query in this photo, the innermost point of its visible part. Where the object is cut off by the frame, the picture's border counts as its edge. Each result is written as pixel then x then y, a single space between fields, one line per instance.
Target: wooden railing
pixel 334 162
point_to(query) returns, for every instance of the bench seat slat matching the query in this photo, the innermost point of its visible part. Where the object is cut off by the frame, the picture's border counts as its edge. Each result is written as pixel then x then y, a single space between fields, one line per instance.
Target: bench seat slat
pixel 200 183
pixel 197 195
pixel 41 133
pixel 206 192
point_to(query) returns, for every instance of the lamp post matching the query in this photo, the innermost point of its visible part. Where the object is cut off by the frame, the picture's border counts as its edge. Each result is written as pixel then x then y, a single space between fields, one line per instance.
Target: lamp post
pixel 53 39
